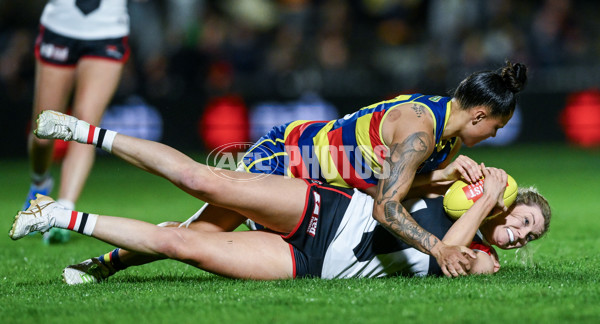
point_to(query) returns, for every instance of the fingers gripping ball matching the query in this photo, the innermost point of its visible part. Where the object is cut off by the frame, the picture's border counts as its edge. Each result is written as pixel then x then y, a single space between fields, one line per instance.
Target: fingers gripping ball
pixel 461 196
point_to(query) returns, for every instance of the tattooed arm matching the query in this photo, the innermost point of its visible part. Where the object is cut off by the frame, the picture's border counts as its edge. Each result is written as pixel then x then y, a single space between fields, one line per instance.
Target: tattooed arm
pixel 406 153
pixel 402 162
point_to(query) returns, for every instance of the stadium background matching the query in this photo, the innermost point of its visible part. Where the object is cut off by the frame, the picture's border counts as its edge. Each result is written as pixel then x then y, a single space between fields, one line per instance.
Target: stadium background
pixel 274 60
pixel 204 72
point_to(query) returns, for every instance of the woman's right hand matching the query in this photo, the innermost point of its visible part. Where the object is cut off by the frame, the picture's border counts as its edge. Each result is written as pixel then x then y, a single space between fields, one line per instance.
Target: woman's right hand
pixel 463 166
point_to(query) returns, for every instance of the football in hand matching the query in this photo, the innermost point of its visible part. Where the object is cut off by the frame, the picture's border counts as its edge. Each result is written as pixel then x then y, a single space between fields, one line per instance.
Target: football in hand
pixel 461 196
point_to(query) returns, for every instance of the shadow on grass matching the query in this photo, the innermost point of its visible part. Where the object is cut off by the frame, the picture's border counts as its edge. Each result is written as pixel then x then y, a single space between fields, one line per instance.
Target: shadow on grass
pixel 172 279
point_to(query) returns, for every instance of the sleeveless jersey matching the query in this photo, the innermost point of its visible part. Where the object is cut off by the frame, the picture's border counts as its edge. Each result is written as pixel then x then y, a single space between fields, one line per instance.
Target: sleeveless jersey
pixel 87 19
pixel 347 152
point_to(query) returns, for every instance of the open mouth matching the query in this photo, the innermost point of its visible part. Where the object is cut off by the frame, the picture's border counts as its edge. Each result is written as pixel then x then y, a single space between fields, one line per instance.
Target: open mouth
pixel 511 236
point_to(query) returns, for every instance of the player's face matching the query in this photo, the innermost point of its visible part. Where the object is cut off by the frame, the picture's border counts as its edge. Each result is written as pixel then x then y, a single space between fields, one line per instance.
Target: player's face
pixel 520 226
pixel 481 127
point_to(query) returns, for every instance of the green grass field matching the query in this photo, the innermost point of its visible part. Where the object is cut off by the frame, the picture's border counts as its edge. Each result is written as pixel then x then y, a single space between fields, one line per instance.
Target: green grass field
pixel 555 280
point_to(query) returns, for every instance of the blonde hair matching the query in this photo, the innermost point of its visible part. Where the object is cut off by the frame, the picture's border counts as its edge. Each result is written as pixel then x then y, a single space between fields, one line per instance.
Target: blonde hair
pixel 530 196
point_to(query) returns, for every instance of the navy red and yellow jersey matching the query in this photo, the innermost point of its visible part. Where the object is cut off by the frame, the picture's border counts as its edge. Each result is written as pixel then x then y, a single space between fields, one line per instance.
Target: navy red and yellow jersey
pixel 346 152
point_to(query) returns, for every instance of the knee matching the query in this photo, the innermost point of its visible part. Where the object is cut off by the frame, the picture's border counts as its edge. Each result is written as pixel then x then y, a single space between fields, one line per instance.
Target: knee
pixel 171 243
pixel 198 182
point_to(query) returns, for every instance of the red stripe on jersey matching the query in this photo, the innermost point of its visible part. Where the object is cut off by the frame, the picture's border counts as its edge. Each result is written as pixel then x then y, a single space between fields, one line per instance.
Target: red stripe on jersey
pixel 90 138
pixel 480 247
pixel 306 198
pixel 297 167
pixel 294 134
pixel 73 220
pixel 336 190
pixel 293 261
pixel 375 136
pixel 345 167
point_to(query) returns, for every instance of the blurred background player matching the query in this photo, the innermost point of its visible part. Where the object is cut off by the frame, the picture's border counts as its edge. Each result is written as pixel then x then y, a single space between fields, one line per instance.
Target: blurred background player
pixel 81 49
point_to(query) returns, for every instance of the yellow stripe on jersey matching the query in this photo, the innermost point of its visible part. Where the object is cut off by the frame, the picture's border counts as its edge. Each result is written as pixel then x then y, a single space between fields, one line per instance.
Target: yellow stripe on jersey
pixel 439 146
pixel 363 139
pixel 400 97
pixel 293 125
pixel 432 118
pixel 288 129
pixel 263 159
pixel 259 144
pixel 328 167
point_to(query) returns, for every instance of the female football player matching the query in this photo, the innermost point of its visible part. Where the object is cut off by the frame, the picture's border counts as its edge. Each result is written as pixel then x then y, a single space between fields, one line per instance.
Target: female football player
pixel 321 230
pixel 294 207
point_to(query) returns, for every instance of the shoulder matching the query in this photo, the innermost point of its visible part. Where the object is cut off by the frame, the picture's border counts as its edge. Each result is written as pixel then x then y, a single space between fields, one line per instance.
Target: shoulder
pixel 405 120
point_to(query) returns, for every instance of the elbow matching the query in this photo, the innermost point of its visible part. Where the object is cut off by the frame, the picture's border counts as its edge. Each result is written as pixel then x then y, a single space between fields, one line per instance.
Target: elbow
pixel 378 214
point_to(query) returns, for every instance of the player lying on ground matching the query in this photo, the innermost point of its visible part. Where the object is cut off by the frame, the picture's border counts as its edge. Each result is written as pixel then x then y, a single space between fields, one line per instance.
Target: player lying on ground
pixel 329 231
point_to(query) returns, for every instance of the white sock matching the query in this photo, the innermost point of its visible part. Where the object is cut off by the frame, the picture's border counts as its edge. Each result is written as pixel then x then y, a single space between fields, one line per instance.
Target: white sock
pixel 66 203
pixel 83 223
pixel 90 134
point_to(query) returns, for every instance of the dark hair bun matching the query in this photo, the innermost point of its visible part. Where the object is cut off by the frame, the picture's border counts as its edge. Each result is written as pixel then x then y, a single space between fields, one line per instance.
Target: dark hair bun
pixel 514 76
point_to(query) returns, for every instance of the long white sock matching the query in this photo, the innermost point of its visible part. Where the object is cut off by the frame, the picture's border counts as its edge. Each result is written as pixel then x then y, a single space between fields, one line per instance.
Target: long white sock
pixel 83 223
pixel 90 134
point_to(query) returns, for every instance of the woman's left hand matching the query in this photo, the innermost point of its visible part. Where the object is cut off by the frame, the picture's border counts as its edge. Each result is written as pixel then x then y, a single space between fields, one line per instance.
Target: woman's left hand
pixel 495 185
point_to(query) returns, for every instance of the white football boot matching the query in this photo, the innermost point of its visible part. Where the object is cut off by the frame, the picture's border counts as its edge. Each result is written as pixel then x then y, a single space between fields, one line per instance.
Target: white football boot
pixel 87 272
pixel 38 217
pixel 54 125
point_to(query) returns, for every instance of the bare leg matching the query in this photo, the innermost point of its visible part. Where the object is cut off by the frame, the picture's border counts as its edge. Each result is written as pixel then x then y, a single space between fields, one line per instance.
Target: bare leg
pixel 274 201
pixel 213 219
pixel 270 200
pixel 53 86
pixel 247 255
pixel 217 219
pixel 97 81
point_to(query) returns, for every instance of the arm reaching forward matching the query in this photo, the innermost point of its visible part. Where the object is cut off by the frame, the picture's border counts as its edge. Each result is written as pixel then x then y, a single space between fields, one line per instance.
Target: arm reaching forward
pixel 406 153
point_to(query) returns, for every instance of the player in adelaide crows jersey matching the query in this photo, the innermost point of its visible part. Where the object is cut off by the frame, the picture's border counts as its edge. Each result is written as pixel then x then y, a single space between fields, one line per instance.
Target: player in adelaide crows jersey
pixel 318 230
pixel 348 152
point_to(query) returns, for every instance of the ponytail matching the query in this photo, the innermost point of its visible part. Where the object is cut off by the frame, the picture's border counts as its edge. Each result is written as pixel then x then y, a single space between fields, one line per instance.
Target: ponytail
pixel 514 76
pixel 496 90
